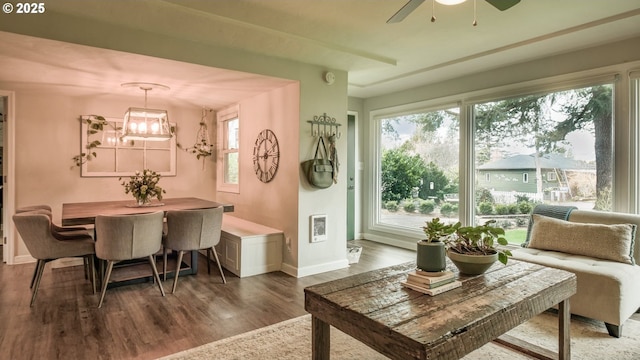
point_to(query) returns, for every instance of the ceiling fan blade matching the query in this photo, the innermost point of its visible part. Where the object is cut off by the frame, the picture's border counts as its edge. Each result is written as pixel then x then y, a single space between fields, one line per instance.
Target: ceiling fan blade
pixel 405 11
pixel 503 5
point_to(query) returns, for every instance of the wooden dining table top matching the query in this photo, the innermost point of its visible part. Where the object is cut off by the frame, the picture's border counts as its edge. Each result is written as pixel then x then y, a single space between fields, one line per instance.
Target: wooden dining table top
pixel 84 213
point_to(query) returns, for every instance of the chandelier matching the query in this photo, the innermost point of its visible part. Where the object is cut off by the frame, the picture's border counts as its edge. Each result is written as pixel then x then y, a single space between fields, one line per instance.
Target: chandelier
pixel 144 123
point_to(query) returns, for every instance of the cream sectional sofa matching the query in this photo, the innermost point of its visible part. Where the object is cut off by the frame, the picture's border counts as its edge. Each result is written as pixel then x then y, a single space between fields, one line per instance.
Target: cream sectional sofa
pixel 608 276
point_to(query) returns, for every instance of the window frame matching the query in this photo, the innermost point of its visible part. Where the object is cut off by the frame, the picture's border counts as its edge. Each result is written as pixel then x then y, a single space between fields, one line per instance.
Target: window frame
pixel 623 164
pixel 374 197
pixel 223 117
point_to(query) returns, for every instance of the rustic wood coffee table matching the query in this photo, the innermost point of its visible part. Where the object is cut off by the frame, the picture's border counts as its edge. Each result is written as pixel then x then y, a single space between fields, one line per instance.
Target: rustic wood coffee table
pixel 404 324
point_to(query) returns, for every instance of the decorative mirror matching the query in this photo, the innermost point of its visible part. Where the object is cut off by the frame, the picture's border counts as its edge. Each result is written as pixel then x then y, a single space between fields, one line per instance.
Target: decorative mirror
pixel 114 157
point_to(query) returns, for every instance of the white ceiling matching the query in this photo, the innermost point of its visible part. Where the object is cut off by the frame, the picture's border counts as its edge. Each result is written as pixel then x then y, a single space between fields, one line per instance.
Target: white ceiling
pixel 349 35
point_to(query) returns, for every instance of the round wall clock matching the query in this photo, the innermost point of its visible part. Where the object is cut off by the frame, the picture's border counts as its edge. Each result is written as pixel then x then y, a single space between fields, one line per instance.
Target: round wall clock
pixel 266 155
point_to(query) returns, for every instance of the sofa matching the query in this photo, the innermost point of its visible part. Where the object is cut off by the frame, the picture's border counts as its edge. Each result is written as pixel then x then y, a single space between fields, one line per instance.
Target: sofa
pixel 599 248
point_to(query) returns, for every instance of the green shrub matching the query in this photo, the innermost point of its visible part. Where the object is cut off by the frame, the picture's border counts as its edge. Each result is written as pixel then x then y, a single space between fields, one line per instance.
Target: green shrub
pixel 521 221
pixel 513 209
pixel 525 207
pixel 426 206
pixel 448 209
pixel 485 208
pixel 409 206
pixel 392 206
pixel 502 209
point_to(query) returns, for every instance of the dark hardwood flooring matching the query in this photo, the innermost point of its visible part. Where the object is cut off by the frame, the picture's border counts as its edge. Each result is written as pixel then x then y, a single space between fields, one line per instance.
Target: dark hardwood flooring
pixel 136 322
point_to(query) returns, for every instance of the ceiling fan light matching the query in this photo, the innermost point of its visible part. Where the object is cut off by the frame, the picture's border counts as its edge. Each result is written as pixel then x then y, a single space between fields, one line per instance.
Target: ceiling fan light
pixel 450 2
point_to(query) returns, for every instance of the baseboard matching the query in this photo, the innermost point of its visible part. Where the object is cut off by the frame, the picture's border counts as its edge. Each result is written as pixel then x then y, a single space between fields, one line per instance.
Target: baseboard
pixel 289 270
pixel 23 259
pixel 322 268
pixel 389 241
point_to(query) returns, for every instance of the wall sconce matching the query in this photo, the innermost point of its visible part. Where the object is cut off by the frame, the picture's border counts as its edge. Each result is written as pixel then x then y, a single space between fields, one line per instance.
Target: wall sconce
pixel 143 123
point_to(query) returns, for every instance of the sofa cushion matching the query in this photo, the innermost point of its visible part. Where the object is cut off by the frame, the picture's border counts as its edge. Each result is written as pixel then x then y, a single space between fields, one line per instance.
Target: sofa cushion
pixel 610 242
pixel 607 290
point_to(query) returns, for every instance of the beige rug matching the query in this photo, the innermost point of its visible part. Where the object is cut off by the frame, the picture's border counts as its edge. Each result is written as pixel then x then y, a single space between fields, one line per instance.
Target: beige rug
pixel 291 339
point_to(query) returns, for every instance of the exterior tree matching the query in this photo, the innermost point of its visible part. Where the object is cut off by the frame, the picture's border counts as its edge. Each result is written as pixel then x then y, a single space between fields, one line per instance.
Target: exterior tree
pixel 433 175
pixel 591 109
pixel 527 120
pixel 401 172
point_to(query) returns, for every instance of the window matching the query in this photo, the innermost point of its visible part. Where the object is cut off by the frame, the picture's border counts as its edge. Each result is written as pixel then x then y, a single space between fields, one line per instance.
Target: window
pixel 228 145
pixel 563 140
pixel 418 168
pixel 569 133
pixel 110 156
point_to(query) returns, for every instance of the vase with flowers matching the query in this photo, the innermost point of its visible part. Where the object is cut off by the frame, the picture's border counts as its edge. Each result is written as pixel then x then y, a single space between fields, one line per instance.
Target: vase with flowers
pixel 144 187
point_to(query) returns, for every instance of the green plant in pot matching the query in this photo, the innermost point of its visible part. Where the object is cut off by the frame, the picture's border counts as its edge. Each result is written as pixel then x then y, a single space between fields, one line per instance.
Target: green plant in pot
pixel 431 251
pixel 473 249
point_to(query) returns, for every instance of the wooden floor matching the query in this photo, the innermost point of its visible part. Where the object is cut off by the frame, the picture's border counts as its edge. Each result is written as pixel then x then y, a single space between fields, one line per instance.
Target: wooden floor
pixel 136 322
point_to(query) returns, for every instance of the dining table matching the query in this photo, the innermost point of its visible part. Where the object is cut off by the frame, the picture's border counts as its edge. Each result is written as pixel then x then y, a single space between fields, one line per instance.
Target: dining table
pixel 85 213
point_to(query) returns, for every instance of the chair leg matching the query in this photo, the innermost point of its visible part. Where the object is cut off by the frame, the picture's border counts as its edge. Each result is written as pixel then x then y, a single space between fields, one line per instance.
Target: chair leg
pixel 105 281
pixel 215 254
pixel 209 261
pixel 35 274
pixel 39 271
pixel 85 263
pixel 175 277
pixel 164 264
pixel 155 273
pixel 92 272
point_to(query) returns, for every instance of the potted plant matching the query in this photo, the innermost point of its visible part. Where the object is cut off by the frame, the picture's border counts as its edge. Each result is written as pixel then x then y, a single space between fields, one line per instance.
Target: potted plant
pixel 431 251
pixel 473 249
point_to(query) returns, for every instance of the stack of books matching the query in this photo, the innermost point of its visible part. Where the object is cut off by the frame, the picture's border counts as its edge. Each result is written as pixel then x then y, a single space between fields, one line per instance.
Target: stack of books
pixel 431 283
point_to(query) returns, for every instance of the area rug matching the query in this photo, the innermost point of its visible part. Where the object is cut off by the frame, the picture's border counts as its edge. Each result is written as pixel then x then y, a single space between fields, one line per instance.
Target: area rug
pixel 291 340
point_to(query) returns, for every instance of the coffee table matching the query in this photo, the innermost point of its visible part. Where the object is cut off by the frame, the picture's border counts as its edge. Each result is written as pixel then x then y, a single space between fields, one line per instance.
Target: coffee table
pixel 375 309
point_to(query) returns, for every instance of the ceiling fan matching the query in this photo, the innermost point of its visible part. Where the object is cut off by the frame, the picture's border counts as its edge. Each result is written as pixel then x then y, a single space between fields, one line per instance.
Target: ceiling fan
pixel 408 8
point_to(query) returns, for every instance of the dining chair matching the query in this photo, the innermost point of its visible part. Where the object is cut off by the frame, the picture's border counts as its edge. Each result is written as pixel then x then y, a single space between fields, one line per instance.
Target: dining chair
pixel 59 232
pixel 34 228
pixel 128 237
pixel 66 232
pixel 190 230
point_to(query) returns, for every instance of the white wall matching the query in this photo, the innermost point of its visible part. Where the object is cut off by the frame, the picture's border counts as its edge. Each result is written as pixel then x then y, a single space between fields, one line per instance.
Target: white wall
pixel 274 204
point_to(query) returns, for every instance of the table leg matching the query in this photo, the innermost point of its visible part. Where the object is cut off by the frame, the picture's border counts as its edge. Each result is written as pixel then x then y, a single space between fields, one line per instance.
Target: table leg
pixel 320 339
pixel 564 336
pixel 194 261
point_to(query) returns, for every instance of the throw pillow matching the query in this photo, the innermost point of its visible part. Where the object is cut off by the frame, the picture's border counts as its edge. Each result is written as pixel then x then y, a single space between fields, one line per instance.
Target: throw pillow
pixel 609 242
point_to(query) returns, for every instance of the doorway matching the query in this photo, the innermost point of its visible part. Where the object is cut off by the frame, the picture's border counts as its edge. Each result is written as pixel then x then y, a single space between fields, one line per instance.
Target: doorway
pixel 7 136
pixel 3 111
pixel 351 175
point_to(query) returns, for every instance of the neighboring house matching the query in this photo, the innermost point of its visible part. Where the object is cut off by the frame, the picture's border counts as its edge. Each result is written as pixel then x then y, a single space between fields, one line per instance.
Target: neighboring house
pixel 560 176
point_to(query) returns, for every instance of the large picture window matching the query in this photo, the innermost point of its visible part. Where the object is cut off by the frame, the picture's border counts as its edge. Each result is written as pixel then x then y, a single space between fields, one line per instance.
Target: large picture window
pixel 566 135
pixel 419 164
pixel 494 160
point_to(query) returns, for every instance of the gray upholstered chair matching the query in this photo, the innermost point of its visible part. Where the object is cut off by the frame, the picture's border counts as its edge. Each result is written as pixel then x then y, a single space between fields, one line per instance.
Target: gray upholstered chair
pixel 127 237
pixel 35 229
pixel 189 230
pixel 59 232
pixel 62 232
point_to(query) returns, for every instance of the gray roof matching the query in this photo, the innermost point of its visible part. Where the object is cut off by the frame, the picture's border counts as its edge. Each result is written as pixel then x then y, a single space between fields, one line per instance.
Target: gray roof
pixel 548 161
